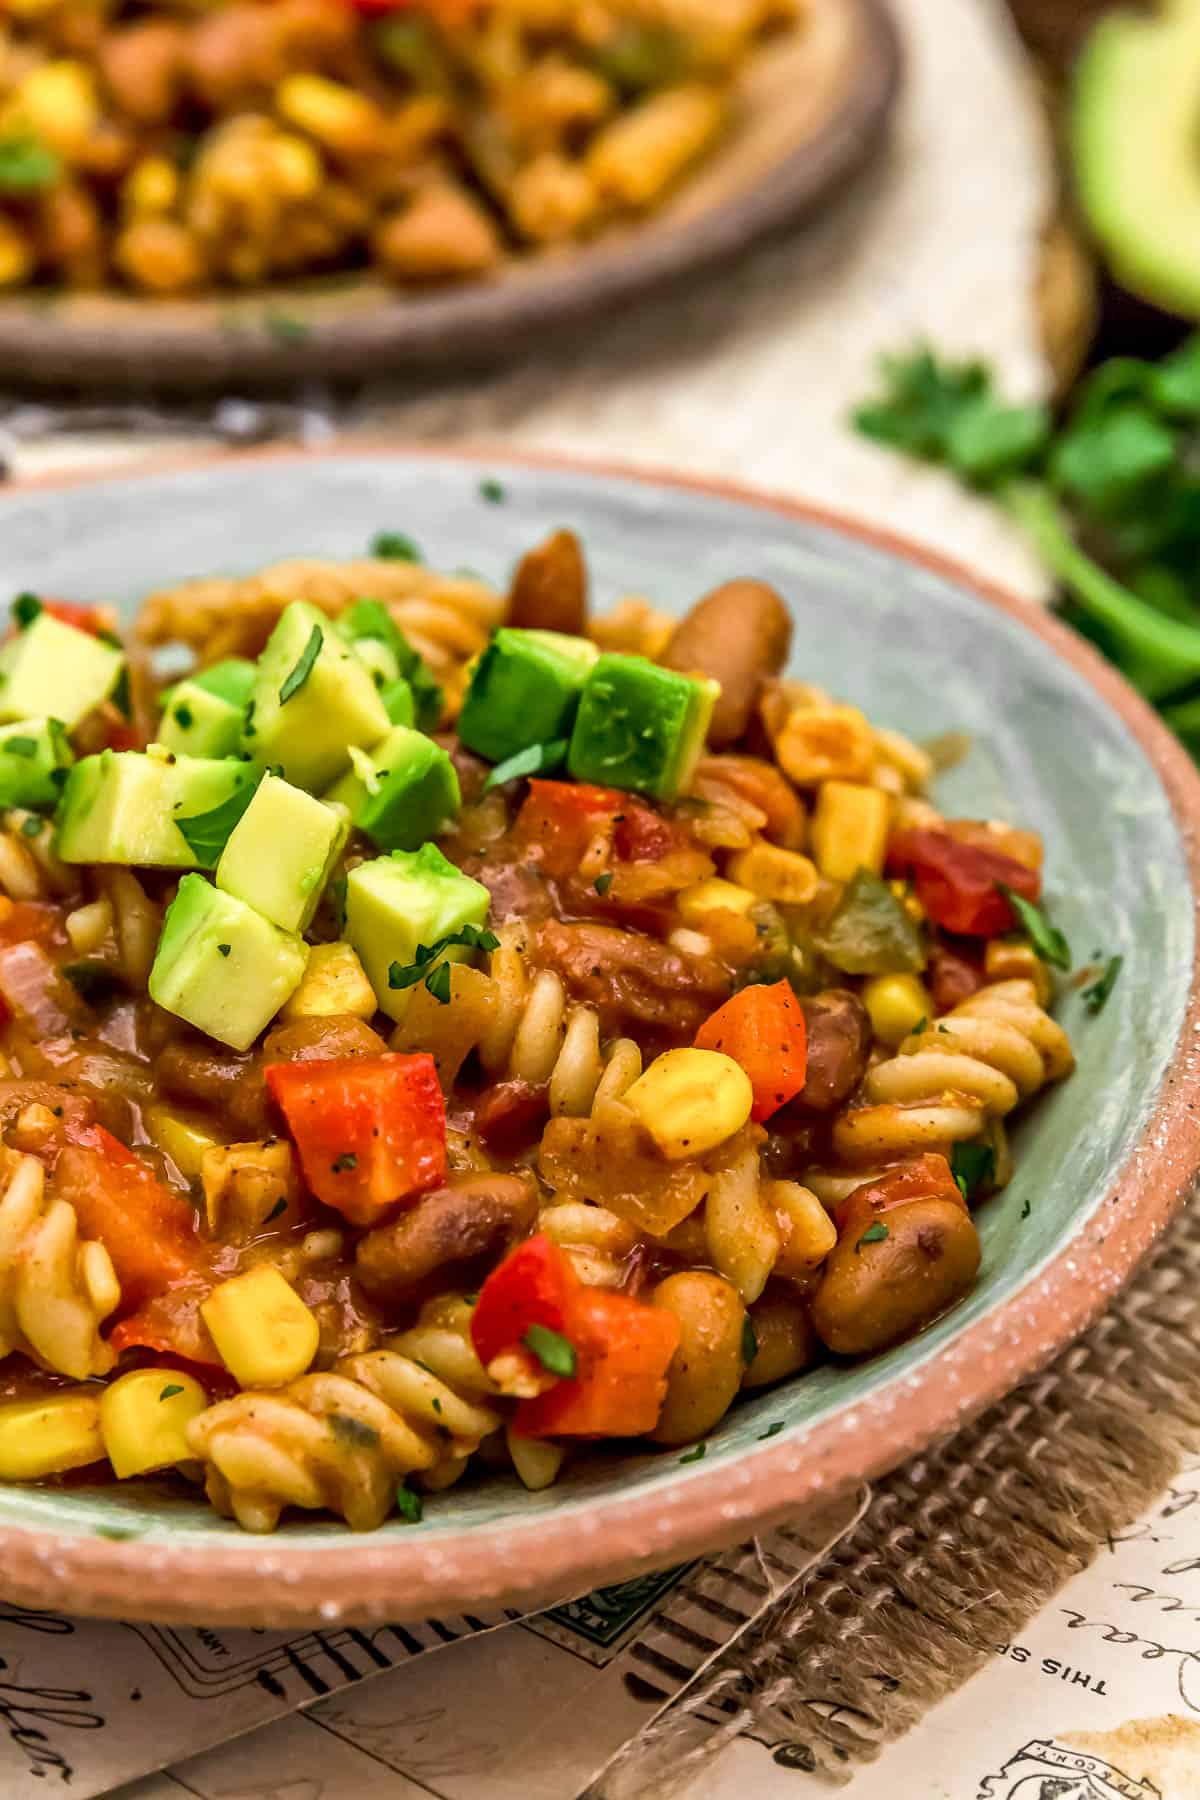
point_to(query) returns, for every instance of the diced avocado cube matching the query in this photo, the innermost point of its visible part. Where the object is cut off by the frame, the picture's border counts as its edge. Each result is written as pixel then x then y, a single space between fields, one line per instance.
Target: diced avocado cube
pixel 640 727
pixel 398 903
pixel 399 702
pixel 524 690
pixel 151 809
pixel 223 967
pixel 282 851
pixel 402 792
pixel 313 699
pixel 54 670
pixel 196 722
pixel 369 628
pixel 34 759
pixel 232 680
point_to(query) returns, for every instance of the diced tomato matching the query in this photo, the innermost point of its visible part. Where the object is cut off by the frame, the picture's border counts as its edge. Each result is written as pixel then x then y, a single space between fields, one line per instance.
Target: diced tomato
pixel 623 1348
pixel 148 1230
pixel 534 1285
pixel 924 1178
pixel 370 1130
pixel 957 883
pixel 952 977
pixel 1009 840
pixel 561 818
pixel 763 1030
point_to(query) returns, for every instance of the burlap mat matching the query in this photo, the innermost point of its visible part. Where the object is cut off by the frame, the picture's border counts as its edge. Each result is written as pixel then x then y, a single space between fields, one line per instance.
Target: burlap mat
pixel 958 1549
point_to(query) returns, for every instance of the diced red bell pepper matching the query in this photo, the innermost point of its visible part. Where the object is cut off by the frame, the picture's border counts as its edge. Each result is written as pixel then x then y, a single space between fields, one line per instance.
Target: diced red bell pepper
pixel 958 884
pixel 623 1349
pixel 148 1230
pixel 926 1177
pixel 534 1285
pixel 370 1130
pixel 763 1030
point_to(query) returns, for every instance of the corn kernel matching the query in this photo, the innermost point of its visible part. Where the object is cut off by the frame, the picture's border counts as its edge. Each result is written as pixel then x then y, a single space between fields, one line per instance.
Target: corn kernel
pixel 58 103
pixel 912 764
pixel 246 1186
pixel 832 743
pixel 895 1005
pixel 144 1417
pixel 691 1100
pixel 334 982
pixel 850 829
pixel 151 188
pixel 536 1462
pixel 48 1436
pixel 332 113
pixel 16 255
pixel 184 1140
pixel 714 895
pixel 265 1334
pixel 807 1234
pixel 297 166
pixel 1005 961
pixel 774 874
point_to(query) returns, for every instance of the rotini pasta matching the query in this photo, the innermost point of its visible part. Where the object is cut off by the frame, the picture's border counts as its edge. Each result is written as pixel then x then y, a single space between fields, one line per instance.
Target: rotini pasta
pixel 453 1107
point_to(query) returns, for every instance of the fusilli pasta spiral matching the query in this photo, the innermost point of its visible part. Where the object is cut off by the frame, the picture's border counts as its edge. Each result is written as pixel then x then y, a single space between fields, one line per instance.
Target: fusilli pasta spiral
pixel 55 1292
pixel 341 1439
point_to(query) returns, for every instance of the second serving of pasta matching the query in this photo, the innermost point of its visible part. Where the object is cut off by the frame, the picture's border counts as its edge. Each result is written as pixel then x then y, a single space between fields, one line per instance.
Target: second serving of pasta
pixel 446 1028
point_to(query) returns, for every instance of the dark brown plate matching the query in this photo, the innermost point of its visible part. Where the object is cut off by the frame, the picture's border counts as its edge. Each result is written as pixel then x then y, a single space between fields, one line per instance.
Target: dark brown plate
pixel 815 108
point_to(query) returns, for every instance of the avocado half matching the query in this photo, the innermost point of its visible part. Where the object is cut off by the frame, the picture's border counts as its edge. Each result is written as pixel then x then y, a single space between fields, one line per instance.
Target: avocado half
pixel 1135 143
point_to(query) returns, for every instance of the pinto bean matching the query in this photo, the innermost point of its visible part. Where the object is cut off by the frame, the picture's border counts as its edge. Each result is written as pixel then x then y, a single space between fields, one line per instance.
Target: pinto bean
pixel 783 1335
pixel 875 1294
pixel 550 587
pixel 322 1039
pixel 739 634
pixel 142 66
pixel 839 1041
pixel 476 1215
pixel 232 1084
pixel 632 978
pixel 706 1370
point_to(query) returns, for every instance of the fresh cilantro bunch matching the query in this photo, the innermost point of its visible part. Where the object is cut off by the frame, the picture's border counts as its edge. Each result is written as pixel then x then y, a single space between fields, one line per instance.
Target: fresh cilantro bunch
pixel 1110 496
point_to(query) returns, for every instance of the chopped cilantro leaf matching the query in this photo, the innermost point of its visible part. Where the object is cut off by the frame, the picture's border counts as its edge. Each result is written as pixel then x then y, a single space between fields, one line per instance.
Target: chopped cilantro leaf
pixel 971 1166
pixel 341 1165
pixel 696 1455
pixel 280 1206
pixel 1046 938
pixel 393 546
pixel 172 1388
pixel 553 1351
pixel 31 827
pixel 224 949
pixel 874 1234
pixel 304 666
pixel 20 746
pixel 285 329
pixel 25 609
pixel 492 491
pixel 1095 998
pixel 921 1025
pixel 353 1432
pixel 185 716
pixel 406 975
pixel 773 1430
pixel 1027 1209
pixel 206 833
pixel 527 762
pixel 603 882
pixel 409 1505
pixel 437 983
pixel 749 1341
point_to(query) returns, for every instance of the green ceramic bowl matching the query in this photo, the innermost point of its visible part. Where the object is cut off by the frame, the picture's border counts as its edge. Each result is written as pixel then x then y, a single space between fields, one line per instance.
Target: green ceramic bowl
pixel 1059 743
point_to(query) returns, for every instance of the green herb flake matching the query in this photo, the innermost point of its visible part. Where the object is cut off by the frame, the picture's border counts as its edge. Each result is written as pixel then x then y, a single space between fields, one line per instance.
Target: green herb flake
pixel 749 1341
pixel 279 1207
pixel 696 1455
pixel 773 1430
pixel 31 827
pixel 874 1234
pixel 1027 1209
pixel 20 746
pixel 406 975
pixel 224 949
pixel 535 759
pixel 552 1349
pixel 185 716
pixel 25 609
pixel 393 546
pixel 304 666
pixel 26 166
pixel 285 329
pixel 1095 998
pixel 409 1505
pixel 96 983
pixel 602 883
pixel 437 983
pixel 921 1025
pixel 493 491
pixel 341 1165
pixel 972 1166
pixel 122 697
pixel 172 1388
pixel 353 1433
pixel 118 1534
pixel 1046 938
pixel 207 833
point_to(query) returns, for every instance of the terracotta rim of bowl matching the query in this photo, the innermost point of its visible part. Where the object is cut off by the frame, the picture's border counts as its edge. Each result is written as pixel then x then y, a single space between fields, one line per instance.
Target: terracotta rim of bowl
pixel 270 1583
